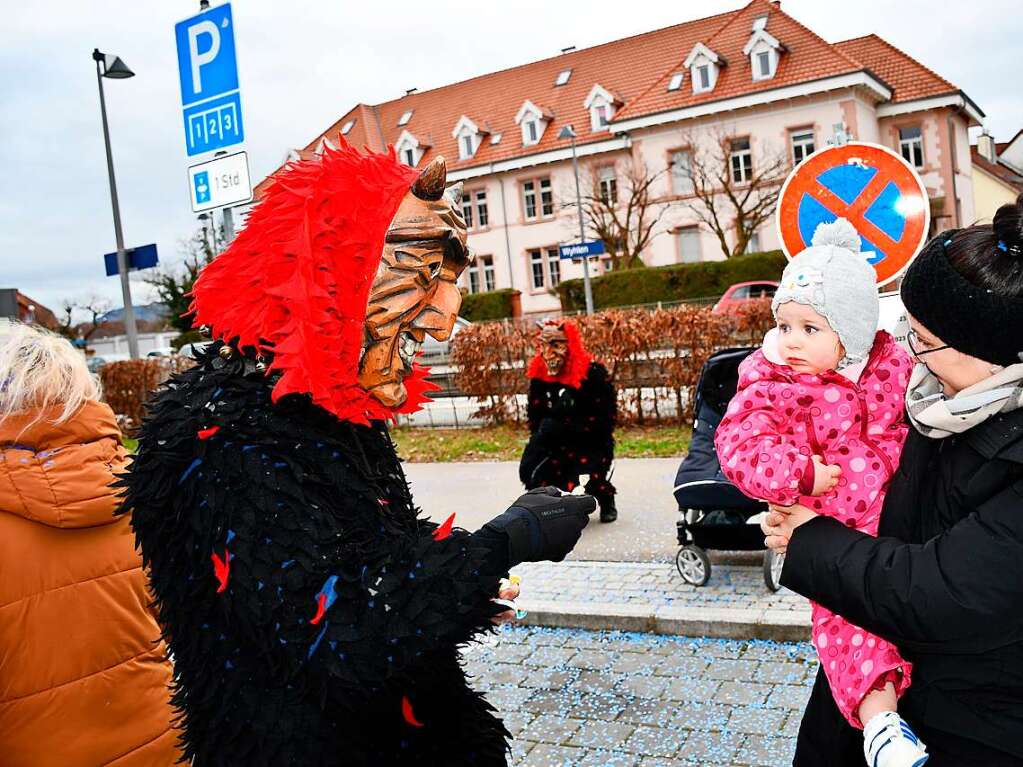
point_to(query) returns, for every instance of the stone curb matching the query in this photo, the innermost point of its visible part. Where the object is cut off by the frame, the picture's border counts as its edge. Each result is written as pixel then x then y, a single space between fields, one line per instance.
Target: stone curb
pixel 777 625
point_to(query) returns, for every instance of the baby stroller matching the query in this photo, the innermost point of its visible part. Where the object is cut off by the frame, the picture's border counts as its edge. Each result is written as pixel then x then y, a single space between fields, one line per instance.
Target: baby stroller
pixel 715 515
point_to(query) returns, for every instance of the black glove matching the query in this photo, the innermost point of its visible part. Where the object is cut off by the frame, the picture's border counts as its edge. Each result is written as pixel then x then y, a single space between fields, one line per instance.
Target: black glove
pixel 543 525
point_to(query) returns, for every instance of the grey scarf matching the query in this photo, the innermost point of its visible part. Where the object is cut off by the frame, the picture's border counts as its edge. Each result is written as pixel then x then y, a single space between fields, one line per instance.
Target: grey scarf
pixel 937 416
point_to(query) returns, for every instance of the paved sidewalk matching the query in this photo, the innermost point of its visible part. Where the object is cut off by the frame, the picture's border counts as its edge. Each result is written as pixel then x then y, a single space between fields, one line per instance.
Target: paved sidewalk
pixel 583 699
pixel 652 597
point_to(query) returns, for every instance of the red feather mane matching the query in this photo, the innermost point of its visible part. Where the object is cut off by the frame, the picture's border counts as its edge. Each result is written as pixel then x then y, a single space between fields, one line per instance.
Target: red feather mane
pixel 576 366
pixel 295 282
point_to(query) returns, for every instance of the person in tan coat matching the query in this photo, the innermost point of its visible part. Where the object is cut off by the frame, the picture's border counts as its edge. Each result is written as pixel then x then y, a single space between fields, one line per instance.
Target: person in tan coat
pixel 84 674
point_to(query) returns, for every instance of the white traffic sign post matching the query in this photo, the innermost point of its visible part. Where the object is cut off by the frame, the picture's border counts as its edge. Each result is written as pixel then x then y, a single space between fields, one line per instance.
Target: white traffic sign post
pixel 220 182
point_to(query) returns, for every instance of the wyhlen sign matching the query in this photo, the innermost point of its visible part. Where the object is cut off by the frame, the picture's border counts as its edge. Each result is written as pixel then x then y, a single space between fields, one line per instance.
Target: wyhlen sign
pixel 208 72
pixel 581 249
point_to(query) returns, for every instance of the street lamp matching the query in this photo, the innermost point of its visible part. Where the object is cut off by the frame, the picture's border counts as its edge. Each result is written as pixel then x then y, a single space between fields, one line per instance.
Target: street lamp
pixel 569 133
pixel 108 65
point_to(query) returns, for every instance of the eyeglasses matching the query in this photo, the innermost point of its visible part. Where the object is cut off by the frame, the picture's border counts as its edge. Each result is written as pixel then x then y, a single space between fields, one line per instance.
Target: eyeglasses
pixel 915 342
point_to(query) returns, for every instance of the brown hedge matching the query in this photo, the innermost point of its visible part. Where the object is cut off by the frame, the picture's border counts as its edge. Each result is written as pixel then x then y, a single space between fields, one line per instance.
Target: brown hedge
pixel 127 385
pixel 662 349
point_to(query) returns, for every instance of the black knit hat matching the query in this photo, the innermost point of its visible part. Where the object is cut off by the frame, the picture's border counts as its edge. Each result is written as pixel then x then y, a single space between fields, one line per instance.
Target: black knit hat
pixel 970 319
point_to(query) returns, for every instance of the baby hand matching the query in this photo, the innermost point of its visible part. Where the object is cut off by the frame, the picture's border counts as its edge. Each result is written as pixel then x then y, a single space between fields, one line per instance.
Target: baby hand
pixel 825 476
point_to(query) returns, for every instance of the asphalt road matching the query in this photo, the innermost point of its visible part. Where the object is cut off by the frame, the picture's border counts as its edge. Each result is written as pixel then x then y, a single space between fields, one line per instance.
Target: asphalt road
pixel 477 492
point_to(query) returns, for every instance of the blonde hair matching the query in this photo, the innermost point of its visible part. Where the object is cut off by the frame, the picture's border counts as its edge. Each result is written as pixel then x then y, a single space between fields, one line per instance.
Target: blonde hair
pixel 40 370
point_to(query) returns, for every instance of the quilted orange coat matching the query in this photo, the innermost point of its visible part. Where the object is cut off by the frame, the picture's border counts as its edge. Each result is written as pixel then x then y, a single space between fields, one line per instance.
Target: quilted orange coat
pixel 83 676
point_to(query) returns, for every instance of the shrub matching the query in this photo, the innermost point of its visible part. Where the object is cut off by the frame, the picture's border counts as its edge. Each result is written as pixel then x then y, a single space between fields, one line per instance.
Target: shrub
pixel 128 385
pixel 673 283
pixel 663 349
pixel 492 305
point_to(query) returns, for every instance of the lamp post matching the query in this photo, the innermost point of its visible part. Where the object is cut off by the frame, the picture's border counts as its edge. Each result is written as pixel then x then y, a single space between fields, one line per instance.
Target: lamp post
pixel 108 65
pixel 569 132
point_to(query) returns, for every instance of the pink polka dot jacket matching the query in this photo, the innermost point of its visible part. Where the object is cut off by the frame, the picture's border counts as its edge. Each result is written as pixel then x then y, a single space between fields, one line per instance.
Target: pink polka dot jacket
pixel 777 421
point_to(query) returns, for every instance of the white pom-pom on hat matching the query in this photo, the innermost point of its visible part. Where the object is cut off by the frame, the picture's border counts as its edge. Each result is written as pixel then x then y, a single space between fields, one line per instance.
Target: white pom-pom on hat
pixel 839 233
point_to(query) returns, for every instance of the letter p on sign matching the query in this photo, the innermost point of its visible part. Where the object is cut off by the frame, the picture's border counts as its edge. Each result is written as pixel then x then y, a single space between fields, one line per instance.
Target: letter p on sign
pixel 198 60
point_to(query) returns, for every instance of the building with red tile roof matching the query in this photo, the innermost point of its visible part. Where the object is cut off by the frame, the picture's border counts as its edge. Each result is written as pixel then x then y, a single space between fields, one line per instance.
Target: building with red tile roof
pixel 755 79
pixel 997 174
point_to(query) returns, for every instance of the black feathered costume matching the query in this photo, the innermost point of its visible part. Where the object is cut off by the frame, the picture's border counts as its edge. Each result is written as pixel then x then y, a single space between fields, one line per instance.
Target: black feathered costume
pixel 571 418
pixel 313 616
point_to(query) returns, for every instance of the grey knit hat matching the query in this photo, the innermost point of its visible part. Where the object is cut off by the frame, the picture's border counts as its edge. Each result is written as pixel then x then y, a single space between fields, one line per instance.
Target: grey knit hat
pixel 834 278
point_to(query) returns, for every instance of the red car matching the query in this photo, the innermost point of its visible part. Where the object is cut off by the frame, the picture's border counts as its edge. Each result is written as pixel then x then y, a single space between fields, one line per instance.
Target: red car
pixel 743 292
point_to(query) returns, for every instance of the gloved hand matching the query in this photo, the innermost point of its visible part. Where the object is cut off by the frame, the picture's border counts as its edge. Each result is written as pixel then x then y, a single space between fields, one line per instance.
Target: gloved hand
pixel 543 524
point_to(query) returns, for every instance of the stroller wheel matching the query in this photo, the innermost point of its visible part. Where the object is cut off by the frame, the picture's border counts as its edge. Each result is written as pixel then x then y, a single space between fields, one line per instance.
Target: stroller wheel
pixel 773 564
pixel 693 565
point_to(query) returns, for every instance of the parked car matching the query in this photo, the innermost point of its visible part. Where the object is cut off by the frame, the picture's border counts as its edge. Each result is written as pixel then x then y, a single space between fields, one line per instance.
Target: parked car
pixel 742 293
pixel 95 362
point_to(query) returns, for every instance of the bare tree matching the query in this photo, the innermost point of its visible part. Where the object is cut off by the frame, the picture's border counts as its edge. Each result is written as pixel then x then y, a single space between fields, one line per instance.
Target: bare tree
pixel 81 317
pixel 622 210
pixel 735 190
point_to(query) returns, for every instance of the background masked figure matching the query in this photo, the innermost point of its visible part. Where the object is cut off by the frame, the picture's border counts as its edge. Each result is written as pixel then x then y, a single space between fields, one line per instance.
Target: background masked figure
pixel 571 414
pixel 314 618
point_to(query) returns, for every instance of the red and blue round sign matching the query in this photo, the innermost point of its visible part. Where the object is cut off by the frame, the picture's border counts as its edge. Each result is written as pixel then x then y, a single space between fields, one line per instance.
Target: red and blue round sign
pixel 872 187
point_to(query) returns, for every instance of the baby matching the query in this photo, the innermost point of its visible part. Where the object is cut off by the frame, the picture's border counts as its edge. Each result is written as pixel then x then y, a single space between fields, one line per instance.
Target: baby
pixel 818 420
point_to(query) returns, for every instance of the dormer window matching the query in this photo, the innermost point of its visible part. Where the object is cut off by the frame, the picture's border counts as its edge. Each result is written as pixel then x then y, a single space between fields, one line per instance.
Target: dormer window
pixel 763 50
pixel 405 118
pixel 533 120
pixel 347 127
pixel 601 104
pixel 676 81
pixel 703 66
pixel 469 137
pixel 410 150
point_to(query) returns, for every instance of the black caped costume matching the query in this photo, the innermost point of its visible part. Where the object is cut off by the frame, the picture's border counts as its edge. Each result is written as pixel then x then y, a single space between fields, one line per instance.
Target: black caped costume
pixel 313 616
pixel 571 412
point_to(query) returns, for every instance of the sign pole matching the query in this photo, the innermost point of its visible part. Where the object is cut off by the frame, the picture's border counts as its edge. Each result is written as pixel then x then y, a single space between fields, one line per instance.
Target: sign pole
pixel 582 236
pixel 122 260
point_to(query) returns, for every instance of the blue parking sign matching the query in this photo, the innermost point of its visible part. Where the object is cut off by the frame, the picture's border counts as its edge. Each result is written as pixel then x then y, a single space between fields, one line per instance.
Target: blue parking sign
pixel 208 73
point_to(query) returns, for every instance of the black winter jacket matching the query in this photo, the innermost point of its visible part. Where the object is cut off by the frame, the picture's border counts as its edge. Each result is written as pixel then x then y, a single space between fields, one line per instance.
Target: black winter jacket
pixel 944 581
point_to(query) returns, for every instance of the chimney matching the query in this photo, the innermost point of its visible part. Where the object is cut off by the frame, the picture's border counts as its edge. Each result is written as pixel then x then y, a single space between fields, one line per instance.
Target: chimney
pixel 410 91
pixel 569 49
pixel 986 147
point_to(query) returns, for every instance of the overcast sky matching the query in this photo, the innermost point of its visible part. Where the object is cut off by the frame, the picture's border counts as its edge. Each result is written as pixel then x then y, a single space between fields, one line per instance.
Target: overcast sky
pixel 303 63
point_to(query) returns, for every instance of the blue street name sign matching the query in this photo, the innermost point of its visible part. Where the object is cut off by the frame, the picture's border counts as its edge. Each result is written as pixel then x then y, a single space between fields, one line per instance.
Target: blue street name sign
pixel 581 249
pixel 208 71
pixel 142 257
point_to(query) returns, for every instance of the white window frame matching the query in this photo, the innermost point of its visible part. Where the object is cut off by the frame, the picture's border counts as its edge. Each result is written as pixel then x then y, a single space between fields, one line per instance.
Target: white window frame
pixel 408 143
pixel 675 83
pixel 800 138
pixel 601 104
pixel 530 113
pixel 405 117
pixel 701 56
pixel 482 277
pixel 469 137
pixel 475 210
pixel 690 231
pixel 536 259
pixel 607 182
pixel 563 77
pixel 907 145
pixel 682 182
pixel 745 168
pixel 754 237
pixel 347 127
pixel 762 43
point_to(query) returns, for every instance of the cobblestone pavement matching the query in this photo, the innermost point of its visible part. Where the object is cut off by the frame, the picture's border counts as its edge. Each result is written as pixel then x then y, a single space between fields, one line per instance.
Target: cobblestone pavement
pixel 653 597
pixel 609 699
